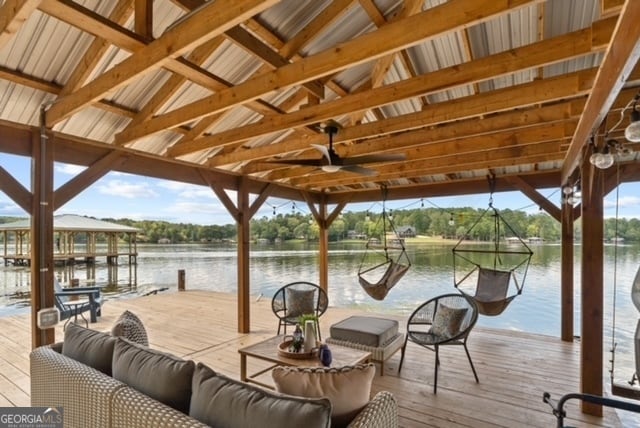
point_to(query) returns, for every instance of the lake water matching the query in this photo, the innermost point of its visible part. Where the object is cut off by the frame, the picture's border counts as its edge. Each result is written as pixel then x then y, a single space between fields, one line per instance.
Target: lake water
pixel 213 267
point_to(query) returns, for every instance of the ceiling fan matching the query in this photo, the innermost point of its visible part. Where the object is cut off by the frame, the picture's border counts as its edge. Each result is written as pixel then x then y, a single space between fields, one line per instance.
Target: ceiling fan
pixel 333 162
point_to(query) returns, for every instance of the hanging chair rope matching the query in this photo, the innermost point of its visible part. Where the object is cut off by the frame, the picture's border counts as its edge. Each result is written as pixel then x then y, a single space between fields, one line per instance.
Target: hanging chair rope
pixel 396 267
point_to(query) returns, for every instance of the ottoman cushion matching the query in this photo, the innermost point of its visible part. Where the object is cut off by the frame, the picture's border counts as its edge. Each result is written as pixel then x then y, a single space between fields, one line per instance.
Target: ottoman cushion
pixel 369 331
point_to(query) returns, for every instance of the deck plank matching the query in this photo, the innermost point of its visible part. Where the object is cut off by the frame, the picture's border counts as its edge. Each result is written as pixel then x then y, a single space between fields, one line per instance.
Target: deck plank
pixel 514 368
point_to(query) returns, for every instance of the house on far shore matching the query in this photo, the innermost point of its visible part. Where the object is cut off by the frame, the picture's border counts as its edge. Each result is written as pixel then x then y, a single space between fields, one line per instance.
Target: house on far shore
pixel 406 232
pixel 352 234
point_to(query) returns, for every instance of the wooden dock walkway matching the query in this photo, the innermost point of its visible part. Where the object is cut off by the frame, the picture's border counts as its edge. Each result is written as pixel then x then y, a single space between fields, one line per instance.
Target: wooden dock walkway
pixel 514 368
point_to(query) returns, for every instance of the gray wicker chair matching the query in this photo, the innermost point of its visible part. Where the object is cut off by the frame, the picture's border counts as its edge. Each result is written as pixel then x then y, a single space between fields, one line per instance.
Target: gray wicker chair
pixel 443 320
pixel 296 299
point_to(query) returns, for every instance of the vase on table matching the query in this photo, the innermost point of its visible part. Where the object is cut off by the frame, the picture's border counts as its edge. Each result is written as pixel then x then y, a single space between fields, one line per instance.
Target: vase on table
pixel 325 355
pixel 309 335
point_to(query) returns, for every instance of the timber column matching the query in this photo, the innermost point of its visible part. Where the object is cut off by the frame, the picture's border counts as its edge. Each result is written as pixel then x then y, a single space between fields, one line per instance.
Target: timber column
pixel 41 235
pixel 592 293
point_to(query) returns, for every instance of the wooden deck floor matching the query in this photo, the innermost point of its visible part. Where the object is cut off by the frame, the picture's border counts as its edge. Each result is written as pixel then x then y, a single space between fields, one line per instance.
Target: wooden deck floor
pixel 514 368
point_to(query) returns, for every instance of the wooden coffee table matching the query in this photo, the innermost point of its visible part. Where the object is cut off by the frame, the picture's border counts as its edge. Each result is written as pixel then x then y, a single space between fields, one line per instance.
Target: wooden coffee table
pixel 267 350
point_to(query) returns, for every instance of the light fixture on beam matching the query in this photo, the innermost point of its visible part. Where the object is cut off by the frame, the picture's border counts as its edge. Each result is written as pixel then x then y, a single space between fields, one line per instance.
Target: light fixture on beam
pixel 632 132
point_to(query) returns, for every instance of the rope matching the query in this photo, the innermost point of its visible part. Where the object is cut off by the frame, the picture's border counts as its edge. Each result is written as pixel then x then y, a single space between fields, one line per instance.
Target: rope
pixel 615 276
pixel 492 187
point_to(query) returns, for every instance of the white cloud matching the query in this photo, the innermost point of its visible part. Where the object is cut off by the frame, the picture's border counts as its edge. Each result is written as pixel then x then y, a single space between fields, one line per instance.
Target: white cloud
pixel 67 168
pixel 185 207
pixel 127 190
pixel 187 191
pixel 11 209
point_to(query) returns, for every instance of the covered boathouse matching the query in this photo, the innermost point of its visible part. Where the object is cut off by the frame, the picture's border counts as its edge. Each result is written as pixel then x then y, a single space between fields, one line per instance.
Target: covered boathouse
pixel 77 239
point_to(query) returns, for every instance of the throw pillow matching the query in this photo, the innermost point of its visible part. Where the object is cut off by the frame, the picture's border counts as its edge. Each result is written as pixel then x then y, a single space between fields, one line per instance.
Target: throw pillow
pixel 129 326
pixel 300 302
pixel 223 402
pixel 447 320
pixel 90 347
pixel 348 388
pixel 159 375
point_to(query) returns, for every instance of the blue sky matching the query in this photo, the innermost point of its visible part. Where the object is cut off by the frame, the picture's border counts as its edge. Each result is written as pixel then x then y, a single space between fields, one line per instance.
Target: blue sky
pixel 118 195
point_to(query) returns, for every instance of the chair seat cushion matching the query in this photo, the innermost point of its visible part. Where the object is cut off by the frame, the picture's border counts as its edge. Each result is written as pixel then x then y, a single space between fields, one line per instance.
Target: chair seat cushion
pixel 369 331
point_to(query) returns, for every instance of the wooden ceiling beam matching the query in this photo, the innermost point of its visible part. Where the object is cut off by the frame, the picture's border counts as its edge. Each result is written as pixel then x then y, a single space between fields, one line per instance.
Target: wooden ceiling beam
pixel 465 146
pixel 15 191
pixel 13 14
pixel 507 146
pixel 477 185
pixel 120 14
pixel 255 47
pixel 143 19
pixel 548 51
pixel 518 97
pixel 382 65
pixel 449 16
pixel 521 184
pixel 211 20
pixel 86 178
pixel 619 60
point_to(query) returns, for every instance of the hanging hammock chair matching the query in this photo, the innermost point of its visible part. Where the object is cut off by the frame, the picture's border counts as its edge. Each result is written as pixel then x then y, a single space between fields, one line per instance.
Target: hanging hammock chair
pixel 385 260
pixel 493 270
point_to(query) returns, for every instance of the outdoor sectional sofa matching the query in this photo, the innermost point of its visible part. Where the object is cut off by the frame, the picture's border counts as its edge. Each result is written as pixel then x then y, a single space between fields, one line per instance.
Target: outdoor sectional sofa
pixel 104 381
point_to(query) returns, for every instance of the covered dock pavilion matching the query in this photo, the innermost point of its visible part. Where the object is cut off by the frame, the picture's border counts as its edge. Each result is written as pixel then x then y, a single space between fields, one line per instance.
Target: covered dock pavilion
pixel 76 240
pixel 231 95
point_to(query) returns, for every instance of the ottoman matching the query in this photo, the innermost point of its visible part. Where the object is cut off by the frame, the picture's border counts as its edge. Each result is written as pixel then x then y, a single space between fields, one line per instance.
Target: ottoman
pixel 379 336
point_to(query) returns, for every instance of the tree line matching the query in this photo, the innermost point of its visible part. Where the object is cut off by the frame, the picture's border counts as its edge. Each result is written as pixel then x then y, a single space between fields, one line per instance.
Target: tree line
pixel 451 223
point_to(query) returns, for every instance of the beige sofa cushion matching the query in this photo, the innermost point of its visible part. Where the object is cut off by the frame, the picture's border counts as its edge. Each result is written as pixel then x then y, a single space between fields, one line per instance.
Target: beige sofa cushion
pixel 219 401
pixel 348 388
pixel 159 375
pixel 90 347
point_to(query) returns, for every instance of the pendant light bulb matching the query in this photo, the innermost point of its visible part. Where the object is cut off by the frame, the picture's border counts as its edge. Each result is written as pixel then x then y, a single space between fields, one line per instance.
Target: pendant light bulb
pixel 632 133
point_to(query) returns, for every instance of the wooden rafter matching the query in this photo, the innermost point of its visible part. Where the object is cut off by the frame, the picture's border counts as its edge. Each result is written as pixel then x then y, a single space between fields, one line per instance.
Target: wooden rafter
pixel 390 38
pixel 211 20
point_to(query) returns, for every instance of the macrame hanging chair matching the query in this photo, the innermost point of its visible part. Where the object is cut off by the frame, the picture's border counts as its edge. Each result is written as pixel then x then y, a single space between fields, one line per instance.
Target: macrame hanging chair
pixel 385 259
pixel 498 272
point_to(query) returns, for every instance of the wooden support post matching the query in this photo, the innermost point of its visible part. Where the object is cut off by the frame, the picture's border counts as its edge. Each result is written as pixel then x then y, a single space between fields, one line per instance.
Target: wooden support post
pixel 41 237
pixel 181 280
pixel 243 216
pixel 592 293
pixel 566 275
pixel 323 257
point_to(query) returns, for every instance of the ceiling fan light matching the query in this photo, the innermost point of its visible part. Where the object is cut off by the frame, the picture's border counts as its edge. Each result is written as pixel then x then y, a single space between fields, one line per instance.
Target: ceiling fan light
pixel 632 132
pixel 331 168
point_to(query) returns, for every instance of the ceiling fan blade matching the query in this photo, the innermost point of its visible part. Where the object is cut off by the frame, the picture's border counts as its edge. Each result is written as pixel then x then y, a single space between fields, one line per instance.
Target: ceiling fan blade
pixel 359 170
pixel 357 160
pixel 324 151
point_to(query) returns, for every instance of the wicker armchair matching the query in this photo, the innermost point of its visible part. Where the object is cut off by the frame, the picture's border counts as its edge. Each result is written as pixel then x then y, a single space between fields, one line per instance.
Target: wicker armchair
pixel 443 320
pixel 296 299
